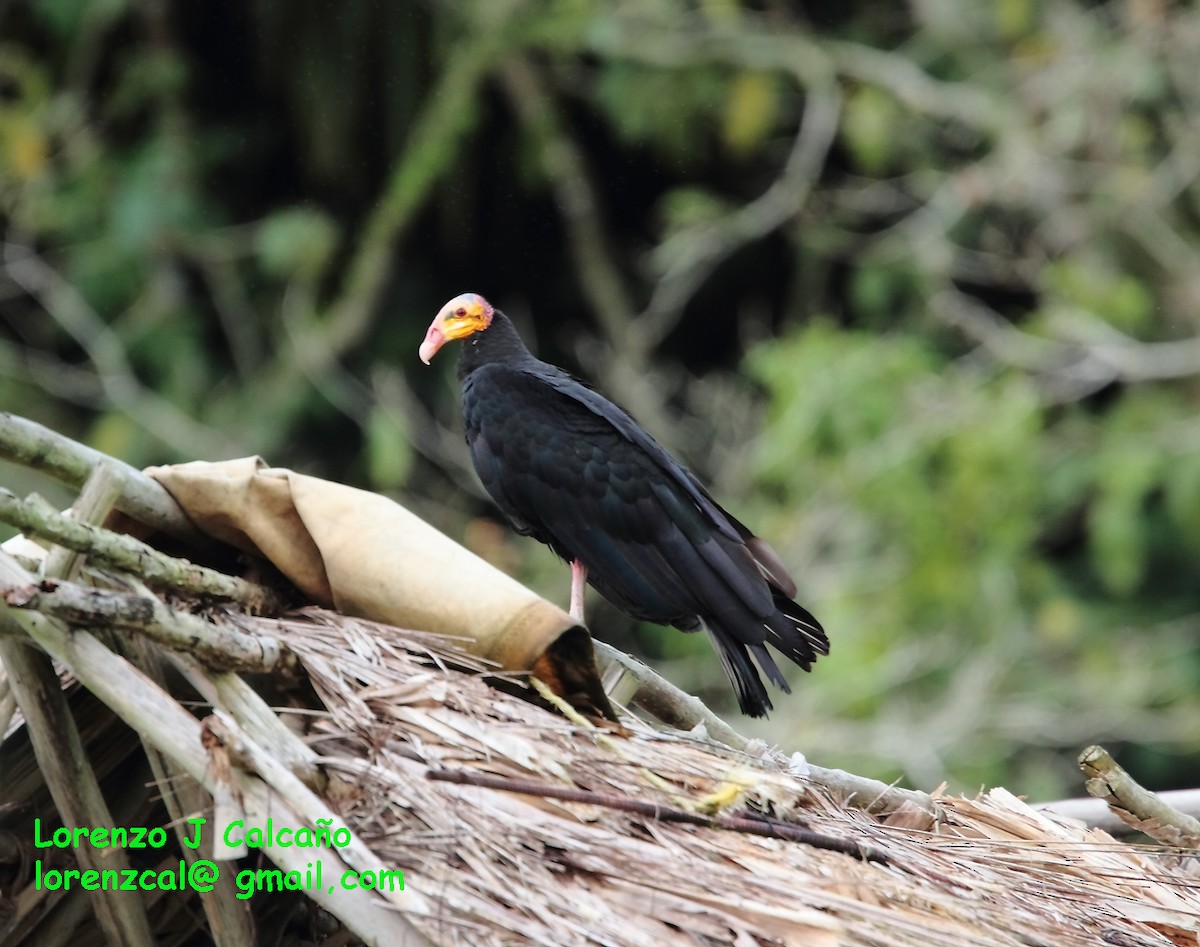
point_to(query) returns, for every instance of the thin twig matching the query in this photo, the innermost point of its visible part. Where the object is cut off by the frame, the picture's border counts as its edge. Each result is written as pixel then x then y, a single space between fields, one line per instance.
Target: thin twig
pixel 695 252
pixel 564 166
pixel 67 306
pixel 447 118
pixel 678 709
pixel 767 828
pixel 666 46
pixel 627 369
pixel 1070 368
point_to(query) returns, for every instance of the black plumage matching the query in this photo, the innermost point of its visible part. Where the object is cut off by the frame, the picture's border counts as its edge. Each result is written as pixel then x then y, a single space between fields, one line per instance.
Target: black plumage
pixel 571 469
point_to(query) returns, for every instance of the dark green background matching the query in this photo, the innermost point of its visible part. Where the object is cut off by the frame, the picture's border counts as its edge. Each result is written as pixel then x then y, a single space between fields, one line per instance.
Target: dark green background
pixel 915 288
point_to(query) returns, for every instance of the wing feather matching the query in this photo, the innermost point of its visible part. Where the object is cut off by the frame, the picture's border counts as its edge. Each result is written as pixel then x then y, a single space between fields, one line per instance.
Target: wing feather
pixel 578 473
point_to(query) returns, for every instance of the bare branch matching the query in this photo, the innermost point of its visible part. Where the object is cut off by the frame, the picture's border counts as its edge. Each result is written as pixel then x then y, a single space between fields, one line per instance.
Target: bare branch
pixel 628 367
pixel 768 828
pixel 122 388
pixel 694 253
pixel 564 165
pixel 436 135
pixel 681 710
pixel 1098 814
pixel 217 645
pixel 1071 368
pixel 1140 808
pixel 813 62
pixel 132 555
pixel 665 701
pixel 145 500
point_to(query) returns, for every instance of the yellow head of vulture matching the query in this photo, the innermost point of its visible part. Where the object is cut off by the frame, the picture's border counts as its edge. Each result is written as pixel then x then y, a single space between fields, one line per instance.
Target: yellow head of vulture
pixel 463 316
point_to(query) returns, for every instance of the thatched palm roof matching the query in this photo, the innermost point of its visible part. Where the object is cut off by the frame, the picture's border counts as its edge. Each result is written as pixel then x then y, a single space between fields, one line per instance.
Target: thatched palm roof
pixel 504 867
pixel 511 822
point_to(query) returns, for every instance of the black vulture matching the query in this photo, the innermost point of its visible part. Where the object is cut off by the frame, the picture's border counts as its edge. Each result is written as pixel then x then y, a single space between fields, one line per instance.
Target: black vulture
pixel 574 471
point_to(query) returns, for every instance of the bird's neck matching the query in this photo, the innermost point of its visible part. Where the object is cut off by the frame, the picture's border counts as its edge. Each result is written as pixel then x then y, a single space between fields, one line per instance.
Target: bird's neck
pixel 499 342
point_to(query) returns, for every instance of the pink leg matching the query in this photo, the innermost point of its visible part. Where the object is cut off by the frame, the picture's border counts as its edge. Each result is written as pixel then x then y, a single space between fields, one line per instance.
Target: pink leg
pixel 578 580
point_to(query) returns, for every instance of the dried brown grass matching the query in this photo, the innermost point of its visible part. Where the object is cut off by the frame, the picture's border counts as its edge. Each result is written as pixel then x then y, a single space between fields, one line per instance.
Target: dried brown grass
pixel 498 867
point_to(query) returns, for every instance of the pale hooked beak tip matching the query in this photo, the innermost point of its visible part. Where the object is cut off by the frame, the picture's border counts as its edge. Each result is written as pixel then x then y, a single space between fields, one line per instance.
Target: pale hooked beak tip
pixel 433 342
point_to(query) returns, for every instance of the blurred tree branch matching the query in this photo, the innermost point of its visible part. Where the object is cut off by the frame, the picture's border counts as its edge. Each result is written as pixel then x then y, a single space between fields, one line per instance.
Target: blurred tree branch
pixel 685 260
pixel 628 368
pixel 1089 355
pixel 121 387
pixel 814 61
pixel 567 172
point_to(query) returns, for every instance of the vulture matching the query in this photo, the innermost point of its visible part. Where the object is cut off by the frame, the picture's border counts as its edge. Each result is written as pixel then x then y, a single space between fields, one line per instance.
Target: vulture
pixel 571 469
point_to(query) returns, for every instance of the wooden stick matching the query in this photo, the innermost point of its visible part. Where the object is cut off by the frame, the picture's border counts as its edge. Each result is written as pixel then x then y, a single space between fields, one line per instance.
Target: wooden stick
pixel 63 761
pixel 63 920
pixel 1138 807
pixel 230 921
pixel 216 644
pixel 30 444
pixel 681 710
pixel 674 707
pixel 231 693
pixel 8 704
pixel 1097 814
pixel 153 713
pixel 118 551
pixel 870 795
pixel 92 505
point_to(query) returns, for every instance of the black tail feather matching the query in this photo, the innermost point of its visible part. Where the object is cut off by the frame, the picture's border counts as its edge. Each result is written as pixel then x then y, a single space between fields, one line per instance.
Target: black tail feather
pixel 770 668
pixel 791 629
pixel 796 633
pixel 751 693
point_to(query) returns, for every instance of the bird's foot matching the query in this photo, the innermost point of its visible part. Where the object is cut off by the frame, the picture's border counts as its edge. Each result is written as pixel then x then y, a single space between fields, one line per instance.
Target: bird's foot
pixel 578 581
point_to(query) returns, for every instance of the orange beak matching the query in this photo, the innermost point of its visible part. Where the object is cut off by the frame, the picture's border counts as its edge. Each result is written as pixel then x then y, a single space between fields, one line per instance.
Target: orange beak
pixel 459 318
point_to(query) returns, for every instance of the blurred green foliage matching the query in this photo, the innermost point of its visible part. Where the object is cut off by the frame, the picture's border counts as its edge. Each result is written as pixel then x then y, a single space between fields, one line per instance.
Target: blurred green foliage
pixel 915 288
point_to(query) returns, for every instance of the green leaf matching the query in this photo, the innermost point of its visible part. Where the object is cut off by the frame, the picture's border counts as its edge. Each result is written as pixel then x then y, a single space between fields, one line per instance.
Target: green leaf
pixel 869 128
pixel 1117 521
pixel 389 455
pixel 1099 287
pixel 750 108
pixel 297 243
pixel 1182 492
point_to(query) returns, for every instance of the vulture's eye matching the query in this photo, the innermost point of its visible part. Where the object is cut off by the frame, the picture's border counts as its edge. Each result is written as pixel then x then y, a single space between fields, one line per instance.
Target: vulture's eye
pixel 460 311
